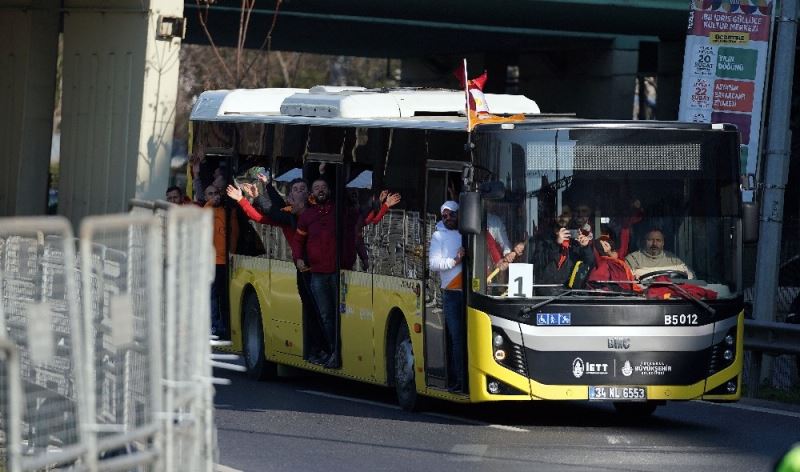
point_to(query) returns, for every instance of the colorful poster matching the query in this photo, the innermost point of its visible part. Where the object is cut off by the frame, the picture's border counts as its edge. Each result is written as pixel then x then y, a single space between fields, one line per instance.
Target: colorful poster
pixel 725 68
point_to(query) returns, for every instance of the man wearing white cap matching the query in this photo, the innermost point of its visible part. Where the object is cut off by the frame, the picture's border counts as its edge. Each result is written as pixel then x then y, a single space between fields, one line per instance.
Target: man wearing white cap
pixel 446 253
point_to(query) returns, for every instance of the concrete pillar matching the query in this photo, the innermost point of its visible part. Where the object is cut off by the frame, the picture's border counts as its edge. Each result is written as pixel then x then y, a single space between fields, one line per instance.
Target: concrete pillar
pixel 28 55
pixel 670 70
pixel 120 88
pixel 594 80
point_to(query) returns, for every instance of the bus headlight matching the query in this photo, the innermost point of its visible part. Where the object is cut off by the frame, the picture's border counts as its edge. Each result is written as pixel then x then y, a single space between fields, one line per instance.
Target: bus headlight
pixel 497 340
pixel 499 354
pixel 493 387
pixel 731 386
pixel 729 340
pixel 727 355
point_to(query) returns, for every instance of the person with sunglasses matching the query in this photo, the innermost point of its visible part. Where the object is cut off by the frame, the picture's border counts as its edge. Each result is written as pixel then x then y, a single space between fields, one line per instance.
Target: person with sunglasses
pixel 445 256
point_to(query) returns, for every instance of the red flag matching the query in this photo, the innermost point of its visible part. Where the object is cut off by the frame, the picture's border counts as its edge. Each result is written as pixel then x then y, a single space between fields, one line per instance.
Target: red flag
pixel 477 110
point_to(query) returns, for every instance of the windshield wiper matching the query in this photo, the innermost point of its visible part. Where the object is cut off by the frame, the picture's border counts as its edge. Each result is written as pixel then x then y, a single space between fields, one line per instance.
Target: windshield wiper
pixel 569 291
pixel 686 294
pixel 549 300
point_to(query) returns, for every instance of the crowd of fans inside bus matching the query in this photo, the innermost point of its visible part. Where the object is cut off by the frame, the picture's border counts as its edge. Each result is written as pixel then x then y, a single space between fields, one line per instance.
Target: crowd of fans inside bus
pixel 568 252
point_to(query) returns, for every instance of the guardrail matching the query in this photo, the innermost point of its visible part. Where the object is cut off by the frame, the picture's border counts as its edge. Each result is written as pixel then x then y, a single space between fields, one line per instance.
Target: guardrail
pixel 768 337
pixel 771 337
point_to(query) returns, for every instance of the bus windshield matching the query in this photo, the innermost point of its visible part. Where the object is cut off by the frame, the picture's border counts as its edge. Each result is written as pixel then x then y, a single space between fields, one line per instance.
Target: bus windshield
pixel 608 212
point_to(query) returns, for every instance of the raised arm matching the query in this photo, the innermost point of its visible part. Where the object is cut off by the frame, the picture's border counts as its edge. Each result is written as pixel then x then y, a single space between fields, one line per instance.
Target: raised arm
pixel 236 194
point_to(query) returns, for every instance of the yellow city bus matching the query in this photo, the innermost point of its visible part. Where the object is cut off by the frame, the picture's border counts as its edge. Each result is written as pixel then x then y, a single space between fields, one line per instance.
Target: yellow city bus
pixel 532 332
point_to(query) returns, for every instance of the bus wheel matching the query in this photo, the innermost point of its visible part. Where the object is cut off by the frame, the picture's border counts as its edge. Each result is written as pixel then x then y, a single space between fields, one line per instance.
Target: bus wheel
pixel 404 377
pixel 258 367
pixel 636 409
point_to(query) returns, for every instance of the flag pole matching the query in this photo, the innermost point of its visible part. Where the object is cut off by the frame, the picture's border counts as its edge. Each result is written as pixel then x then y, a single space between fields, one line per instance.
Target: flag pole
pixel 469 146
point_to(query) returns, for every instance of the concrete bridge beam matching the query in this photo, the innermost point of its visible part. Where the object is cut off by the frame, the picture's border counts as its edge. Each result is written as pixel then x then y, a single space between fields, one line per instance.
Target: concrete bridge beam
pixel 28 55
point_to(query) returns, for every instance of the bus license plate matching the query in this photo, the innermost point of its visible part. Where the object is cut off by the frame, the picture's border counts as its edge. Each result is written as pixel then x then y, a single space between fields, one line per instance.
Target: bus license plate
pixel 617 393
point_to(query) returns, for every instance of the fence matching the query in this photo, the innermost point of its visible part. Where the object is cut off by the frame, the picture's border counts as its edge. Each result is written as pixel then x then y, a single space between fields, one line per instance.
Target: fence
pixel 121 295
pixel 39 313
pixel 100 388
pixel 10 397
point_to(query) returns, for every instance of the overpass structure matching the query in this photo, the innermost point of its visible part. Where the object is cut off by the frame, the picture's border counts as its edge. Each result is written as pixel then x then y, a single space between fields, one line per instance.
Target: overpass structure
pixel 120 71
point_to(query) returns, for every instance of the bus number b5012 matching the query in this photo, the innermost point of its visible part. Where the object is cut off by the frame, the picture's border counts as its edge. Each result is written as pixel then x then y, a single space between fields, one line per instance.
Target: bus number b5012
pixel 681 319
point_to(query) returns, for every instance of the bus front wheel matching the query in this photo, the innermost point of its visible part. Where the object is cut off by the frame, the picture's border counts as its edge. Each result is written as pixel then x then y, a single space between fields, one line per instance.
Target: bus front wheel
pixel 258 367
pixel 404 377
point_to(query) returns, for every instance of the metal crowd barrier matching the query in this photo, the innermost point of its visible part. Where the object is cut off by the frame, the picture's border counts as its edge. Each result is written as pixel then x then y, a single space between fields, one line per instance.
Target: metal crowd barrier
pixel 39 314
pixel 189 439
pixel 10 407
pixel 98 387
pixel 189 402
pixel 121 293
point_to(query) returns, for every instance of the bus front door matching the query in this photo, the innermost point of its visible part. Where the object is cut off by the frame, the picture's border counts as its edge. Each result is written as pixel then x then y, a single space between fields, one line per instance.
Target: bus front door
pixel 442 183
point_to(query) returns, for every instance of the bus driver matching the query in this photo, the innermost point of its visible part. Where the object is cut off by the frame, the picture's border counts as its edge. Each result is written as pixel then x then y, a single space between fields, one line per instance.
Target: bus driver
pixel 654 258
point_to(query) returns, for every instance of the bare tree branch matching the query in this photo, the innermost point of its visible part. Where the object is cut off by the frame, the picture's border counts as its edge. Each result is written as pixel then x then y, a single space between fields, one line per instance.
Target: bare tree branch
pixel 267 42
pixel 238 55
pixel 284 69
pixel 214 48
pixel 247 9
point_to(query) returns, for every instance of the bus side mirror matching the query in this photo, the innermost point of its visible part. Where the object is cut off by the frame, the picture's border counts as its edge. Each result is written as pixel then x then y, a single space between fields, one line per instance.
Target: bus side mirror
pixel 469 209
pixel 750 222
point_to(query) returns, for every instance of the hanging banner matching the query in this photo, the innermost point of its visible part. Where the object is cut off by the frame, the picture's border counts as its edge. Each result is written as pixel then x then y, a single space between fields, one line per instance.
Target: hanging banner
pixel 725 68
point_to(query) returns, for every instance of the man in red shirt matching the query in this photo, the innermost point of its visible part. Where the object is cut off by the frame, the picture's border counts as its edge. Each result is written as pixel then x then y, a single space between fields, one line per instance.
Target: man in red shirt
pixel 315 242
pixel 315 347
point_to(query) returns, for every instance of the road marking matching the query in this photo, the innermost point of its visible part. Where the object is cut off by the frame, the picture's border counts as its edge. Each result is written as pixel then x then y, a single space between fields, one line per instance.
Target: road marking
pixel 395 407
pixel 758 409
pixel 616 439
pixel 477 422
pixel 508 428
pixel 468 452
pixel 456 418
pixel 224 468
pixel 350 399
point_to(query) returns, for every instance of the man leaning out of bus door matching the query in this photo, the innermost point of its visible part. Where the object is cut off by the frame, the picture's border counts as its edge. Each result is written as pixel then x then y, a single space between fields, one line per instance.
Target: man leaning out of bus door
pixel 445 256
pixel 315 242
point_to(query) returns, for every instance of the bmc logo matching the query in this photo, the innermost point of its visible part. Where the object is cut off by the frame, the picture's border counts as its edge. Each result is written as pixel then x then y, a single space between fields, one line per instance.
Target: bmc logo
pixel 619 343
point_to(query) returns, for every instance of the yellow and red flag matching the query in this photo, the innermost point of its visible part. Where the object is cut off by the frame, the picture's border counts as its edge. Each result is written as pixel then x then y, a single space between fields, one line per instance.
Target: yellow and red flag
pixel 477 109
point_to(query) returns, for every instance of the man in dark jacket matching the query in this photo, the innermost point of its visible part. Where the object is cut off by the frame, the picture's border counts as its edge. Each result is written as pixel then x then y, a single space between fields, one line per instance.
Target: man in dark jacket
pixel 277 213
pixel 315 241
pixel 555 259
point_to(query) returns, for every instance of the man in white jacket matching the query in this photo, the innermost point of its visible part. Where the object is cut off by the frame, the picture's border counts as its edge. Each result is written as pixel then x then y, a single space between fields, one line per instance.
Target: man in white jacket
pixel 446 253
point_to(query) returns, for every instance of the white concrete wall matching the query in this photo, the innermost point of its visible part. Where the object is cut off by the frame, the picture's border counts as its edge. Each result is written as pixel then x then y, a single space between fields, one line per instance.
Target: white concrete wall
pixel 120 88
pixel 28 54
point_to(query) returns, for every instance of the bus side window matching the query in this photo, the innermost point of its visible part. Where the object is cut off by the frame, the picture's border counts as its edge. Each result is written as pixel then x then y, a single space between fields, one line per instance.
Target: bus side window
pixel 397 240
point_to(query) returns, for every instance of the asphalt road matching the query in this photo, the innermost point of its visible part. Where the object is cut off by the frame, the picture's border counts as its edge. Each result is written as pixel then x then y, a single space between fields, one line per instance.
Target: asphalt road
pixel 309 422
